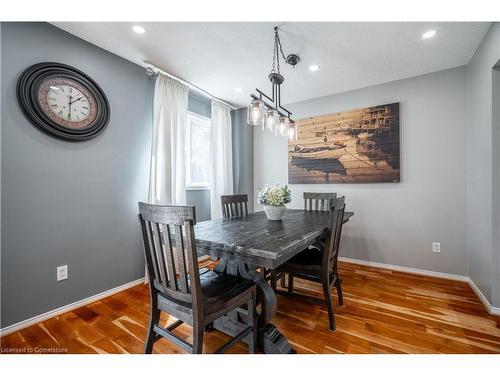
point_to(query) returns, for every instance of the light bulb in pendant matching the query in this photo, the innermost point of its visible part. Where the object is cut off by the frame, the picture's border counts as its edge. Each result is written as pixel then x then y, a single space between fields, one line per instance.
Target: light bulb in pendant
pixel 270 119
pixel 283 125
pixel 255 113
pixel 292 131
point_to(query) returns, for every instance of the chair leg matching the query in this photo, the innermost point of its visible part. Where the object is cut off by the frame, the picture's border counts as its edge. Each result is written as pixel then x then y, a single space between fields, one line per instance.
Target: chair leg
pixel 198 331
pixel 252 337
pixel 290 282
pixel 273 280
pixel 329 305
pixel 338 285
pixel 153 319
pixel 282 279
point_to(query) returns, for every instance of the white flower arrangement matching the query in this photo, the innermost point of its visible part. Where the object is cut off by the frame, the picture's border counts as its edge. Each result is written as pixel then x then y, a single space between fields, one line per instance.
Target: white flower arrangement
pixel 274 195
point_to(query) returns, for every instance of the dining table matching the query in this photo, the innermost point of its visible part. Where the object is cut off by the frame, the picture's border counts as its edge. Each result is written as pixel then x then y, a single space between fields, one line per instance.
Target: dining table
pixel 250 247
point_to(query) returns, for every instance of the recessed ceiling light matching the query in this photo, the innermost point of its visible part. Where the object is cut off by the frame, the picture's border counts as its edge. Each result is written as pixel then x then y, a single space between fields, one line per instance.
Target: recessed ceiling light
pixel 314 68
pixel 429 34
pixel 139 29
pixel 238 89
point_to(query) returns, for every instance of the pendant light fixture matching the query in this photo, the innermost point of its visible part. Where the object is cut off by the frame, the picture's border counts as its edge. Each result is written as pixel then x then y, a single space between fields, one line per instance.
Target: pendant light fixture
pixel 267 111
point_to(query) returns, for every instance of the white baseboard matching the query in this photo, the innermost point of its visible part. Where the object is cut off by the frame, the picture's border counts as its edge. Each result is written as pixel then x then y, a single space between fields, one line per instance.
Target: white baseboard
pixel 489 308
pixel 60 310
pixel 442 275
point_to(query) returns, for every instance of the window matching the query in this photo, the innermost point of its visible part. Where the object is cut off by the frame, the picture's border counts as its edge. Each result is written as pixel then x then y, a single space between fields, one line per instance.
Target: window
pixel 197 151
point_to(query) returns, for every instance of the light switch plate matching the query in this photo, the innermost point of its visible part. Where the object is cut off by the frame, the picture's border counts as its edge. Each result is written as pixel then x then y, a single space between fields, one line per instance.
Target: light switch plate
pixel 62 272
pixel 436 247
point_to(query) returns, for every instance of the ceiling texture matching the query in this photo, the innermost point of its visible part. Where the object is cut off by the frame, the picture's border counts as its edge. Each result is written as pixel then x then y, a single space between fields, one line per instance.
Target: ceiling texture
pixel 221 57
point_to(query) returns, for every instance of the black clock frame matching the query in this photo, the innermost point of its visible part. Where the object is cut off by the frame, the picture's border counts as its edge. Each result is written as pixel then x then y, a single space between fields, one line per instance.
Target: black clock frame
pixel 27 92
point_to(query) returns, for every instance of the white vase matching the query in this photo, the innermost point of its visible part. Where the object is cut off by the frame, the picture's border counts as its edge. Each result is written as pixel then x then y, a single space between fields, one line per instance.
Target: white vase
pixel 274 213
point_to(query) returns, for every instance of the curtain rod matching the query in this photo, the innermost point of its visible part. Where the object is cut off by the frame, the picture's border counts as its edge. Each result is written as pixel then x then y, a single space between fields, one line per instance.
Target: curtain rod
pixel 152 70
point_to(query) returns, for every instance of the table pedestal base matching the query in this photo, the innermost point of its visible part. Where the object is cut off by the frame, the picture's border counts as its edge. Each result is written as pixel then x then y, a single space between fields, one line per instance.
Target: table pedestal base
pixel 269 339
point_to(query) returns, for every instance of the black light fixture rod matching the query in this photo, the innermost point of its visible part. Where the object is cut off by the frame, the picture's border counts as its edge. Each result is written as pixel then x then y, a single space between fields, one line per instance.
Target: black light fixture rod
pixel 278 96
pixel 263 95
pixel 277 106
pixel 274 98
pixel 273 104
pixel 286 112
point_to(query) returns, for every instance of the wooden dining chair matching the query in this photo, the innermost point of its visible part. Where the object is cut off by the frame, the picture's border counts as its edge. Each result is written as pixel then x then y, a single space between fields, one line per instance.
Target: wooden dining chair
pixel 319 266
pixel 234 205
pixel 318 201
pixel 177 286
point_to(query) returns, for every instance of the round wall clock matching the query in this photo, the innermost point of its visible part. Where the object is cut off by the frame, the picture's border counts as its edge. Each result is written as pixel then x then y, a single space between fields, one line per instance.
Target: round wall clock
pixel 63 101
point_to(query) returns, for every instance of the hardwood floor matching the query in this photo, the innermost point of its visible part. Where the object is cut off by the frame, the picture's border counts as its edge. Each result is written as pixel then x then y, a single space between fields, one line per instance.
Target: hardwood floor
pixel 384 312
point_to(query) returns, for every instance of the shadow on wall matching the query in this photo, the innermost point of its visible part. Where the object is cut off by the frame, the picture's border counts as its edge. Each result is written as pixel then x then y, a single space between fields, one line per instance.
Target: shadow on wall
pixel 496 179
pixel 360 248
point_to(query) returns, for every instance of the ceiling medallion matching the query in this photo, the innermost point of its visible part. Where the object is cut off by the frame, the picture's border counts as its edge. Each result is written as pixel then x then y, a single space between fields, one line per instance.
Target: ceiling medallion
pixel 267 111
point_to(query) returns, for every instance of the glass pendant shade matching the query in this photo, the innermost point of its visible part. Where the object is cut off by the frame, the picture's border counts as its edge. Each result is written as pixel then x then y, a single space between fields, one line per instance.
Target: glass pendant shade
pixel 292 131
pixel 283 126
pixel 271 120
pixel 255 113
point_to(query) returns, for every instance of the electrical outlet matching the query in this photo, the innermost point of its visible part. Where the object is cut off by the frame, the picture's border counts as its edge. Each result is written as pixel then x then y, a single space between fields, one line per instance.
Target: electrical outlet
pixel 62 272
pixel 436 247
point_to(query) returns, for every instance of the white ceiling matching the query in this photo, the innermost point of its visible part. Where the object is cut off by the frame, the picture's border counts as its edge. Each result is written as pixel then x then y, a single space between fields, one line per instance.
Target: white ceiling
pixel 220 57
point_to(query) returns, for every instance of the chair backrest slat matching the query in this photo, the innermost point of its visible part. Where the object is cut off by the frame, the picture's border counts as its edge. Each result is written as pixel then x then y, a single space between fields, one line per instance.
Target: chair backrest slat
pixel 169 254
pixel 332 244
pixel 234 205
pixel 182 270
pixel 320 201
pixel 192 260
pixel 152 250
pixel 159 248
pixel 170 250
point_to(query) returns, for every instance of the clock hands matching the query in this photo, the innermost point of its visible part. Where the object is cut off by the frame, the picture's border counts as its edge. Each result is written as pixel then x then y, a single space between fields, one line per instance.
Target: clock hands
pixel 70 103
pixel 69 109
pixel 80 98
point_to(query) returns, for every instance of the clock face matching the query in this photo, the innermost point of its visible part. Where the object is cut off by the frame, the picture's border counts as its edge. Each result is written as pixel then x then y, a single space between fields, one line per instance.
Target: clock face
pixel 67 102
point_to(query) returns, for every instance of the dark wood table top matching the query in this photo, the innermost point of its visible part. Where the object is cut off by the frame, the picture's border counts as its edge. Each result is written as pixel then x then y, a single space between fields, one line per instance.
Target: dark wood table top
pixel 260 242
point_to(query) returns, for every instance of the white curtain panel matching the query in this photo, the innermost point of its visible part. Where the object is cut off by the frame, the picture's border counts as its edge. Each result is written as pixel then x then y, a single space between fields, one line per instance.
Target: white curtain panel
pixel 167 179
pixel 221 160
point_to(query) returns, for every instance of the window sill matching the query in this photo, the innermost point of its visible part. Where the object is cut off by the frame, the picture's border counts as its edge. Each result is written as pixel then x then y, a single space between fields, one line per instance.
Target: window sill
pixel 197 188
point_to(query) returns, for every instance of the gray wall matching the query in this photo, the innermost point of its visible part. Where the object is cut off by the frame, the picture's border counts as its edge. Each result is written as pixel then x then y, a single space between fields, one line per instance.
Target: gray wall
pixel 70 203
pixel 396 223
pixel 483 269
pixel 496 183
